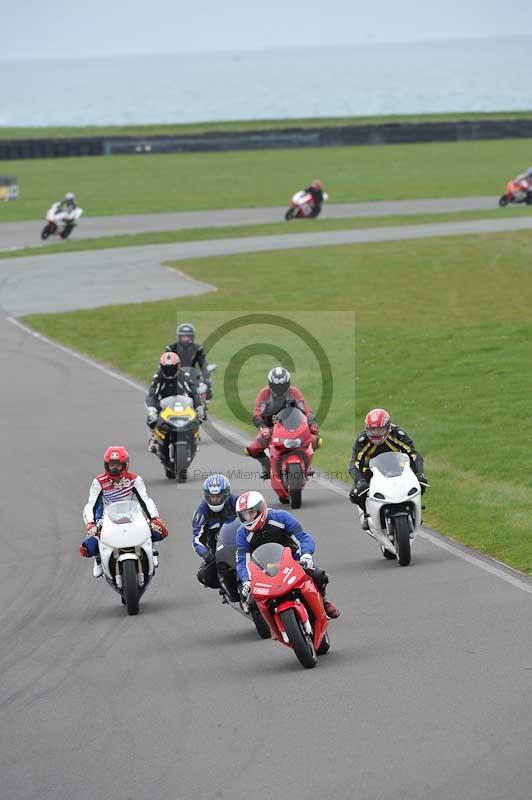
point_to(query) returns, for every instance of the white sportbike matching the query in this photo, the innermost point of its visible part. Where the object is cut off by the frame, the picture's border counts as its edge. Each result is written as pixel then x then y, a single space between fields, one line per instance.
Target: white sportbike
pixel 393 505
pixel 126 551
pixel 60 221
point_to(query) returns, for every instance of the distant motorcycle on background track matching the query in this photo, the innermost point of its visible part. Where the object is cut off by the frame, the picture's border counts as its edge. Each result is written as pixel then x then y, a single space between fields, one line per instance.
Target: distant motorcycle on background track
pixel 517 192
pixel 60 222
pixel 303 206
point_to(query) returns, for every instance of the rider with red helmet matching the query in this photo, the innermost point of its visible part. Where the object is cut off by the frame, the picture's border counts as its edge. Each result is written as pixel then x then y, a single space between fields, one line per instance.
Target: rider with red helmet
pixel 260 525
pixel 116 483
pixel 316 190
pixel 379 436
pixel 169 381
pixel 270 400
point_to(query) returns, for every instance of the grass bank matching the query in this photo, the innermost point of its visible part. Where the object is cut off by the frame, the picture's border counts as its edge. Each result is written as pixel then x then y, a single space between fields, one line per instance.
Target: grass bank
pixel 198 181
pixel 441 336
pixel 244 125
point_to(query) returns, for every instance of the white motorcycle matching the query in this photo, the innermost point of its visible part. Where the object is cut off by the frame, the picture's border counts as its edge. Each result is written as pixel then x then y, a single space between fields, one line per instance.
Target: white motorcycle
pixel 60 222
pixel 393 505
pixel 126 552
pixel 303 206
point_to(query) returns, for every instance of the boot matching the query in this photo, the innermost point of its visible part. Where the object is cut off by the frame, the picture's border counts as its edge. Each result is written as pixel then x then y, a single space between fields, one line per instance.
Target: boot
pixel 364 523
pixel 97 569
pixel 264 462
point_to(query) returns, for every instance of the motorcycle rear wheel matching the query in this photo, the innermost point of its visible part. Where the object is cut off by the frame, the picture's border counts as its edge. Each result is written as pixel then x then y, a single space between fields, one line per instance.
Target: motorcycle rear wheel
pixel 301 642
pixel 402 539
pixel 66 232
pixel 130 586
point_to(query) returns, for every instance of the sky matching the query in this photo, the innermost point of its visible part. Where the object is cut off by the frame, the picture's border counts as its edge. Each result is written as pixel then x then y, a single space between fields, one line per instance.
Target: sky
pixel 67 28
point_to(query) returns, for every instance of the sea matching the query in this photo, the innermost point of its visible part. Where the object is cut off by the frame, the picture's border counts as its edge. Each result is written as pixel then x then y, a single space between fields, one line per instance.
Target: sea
pixel 483 74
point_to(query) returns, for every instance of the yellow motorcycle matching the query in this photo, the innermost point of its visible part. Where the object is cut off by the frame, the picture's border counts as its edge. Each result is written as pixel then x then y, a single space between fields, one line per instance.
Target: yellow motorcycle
pixel 177 433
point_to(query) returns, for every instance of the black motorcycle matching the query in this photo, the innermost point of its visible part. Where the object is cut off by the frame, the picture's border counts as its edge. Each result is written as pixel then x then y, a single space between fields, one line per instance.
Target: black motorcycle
pixel 177 433
pixel 229 583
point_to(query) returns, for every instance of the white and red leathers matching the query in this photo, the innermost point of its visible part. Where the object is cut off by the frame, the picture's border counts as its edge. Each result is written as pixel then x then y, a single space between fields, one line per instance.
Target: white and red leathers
pixel 105 489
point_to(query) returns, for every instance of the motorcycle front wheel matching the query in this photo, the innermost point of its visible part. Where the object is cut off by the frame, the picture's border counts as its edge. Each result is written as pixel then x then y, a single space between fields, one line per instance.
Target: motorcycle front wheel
pixel 130 586
pixel 504 200
pixel 402 540
pixel 46 231
pixel 301 642
pixel 293 479
pixel 290 214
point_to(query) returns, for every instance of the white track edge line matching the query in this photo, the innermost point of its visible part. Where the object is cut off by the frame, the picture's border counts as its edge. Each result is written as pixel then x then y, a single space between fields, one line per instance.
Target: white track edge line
pixel 488 565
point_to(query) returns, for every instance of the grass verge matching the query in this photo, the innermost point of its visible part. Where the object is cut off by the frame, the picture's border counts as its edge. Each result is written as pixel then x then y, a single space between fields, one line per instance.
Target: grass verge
pixel 442 338
pixel 198 181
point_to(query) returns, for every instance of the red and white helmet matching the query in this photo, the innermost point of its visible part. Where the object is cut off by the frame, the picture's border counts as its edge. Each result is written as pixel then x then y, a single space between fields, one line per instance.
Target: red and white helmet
pixel 170 363
pixel 116 461
pixel 252 510
pixel 378 424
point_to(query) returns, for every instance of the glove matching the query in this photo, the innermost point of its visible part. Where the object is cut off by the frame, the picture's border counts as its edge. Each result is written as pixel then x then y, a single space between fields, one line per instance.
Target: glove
pixel 158 526
pixel 314 428
pixel 152 415
pixel 92 528
pixel 245 590
pixel 83 550
pixel 422 479
pixel 264 433
pixel 208 557
pixel 361 486
pixel 306 561
pixel 201 413
pixel 353 496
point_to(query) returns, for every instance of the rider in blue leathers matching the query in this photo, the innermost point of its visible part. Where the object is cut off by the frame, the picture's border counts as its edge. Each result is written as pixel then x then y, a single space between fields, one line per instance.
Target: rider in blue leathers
pixel 261 525
pixel 217 508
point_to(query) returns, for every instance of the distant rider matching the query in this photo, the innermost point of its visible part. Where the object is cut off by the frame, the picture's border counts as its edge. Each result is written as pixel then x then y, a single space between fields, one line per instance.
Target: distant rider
pixel 116 483
pixel 261 525
pixel 316 190
pixel 168 381
pixel 67 205
pixel 190 353
pixel 270 400
pixel 379 436
pixel 525 179
pixel 217 508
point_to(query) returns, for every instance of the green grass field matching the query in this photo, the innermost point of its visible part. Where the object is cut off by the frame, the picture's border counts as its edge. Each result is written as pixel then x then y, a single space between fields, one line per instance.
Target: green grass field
pixel 181 182
pixel 301 226
pixel 442 337
pixel 243 125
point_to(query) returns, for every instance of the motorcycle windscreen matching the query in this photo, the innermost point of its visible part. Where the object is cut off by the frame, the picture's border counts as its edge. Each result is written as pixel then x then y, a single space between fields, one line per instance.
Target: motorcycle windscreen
pixel 290 418
pixel 177 402
pixel 227 535
pixel 391 465
pixel 268 557
pixel 123 512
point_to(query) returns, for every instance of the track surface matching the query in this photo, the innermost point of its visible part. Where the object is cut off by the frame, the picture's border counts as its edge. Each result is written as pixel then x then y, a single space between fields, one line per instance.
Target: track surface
pixel 27 234
pixel 423 695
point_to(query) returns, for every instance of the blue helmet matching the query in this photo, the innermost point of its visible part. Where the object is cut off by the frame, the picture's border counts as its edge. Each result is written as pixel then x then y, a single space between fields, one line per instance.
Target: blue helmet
pixel 216 490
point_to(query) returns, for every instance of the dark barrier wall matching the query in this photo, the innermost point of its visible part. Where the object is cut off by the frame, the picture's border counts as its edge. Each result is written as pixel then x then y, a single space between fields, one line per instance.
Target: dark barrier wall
pixel 392 133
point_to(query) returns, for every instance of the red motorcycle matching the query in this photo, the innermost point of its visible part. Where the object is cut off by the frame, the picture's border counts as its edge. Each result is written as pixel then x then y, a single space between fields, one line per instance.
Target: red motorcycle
pixel 303 206
pixel 517 192
pixel 289 601
pixel 291 452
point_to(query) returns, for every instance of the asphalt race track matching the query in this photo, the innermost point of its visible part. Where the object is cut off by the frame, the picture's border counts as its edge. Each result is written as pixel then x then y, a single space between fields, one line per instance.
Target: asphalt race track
pixel 27 234
pixel 424 694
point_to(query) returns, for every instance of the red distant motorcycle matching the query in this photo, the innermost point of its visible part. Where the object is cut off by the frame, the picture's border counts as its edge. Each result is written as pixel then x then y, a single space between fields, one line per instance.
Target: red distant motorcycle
pixel 517 192
pixel 303 206
pixel 291 452
pixel 289 601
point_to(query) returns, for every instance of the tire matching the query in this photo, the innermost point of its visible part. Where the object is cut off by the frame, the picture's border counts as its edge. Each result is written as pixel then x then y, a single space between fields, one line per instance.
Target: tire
pixel 130 586
pixel 325 645
pixel 46 231
pixel 402 539
pixel 170 474
pixel 504 200
pixel 528 199
pixel 180 469
pixel 301 642
pixel 290 214
pixel 261 626
pixel 294 476
pixel 67 231
pixel 388 554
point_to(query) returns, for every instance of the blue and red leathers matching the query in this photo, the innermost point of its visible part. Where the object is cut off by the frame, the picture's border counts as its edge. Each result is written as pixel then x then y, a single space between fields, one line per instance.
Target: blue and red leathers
pixel 207 523
pixel 281 527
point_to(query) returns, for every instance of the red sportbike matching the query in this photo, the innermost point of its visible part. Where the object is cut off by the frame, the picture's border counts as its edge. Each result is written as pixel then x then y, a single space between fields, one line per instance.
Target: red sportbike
pixel 291 452
pixel 303 206
pixel 289 601
pixel 517 192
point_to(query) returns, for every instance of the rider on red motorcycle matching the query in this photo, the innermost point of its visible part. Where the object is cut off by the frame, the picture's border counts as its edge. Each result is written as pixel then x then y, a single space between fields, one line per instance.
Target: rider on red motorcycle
pixel 316 190
pixel 260 525
pixel 270 400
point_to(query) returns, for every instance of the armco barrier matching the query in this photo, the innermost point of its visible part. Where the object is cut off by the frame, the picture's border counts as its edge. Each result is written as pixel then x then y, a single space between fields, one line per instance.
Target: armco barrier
pixel 337 136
